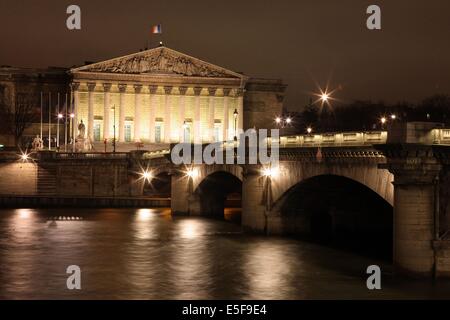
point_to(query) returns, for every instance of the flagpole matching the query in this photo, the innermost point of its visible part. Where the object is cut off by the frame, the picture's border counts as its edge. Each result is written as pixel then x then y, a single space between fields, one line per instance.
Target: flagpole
pixel 41 117
pixel 57 127
pixel 49 121
pixel 65 127
pixel 72 131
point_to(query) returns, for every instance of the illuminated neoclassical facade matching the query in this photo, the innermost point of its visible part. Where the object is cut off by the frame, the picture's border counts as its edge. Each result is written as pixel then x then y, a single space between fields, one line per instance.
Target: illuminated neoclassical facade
pixel 164 96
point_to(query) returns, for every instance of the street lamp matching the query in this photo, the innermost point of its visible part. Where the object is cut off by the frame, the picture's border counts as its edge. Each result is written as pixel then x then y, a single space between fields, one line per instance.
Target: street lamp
pixel 324 97
pixel 383 121
pixel 24 156
pixel 147 175
pixel 191 173
pixel 309 130
pixel 185 127
pixel 72 132
pixel 283 122
pixel 235 114
pixel 393 116
pixel 60 116
pixel 114 128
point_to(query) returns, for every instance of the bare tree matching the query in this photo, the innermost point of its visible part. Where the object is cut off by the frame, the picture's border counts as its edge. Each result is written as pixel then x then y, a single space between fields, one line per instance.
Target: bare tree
pixel 18 114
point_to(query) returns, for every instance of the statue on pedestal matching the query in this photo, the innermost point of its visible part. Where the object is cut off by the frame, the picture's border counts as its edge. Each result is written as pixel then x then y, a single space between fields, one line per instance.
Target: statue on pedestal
pixel 81 137
pixel 37 143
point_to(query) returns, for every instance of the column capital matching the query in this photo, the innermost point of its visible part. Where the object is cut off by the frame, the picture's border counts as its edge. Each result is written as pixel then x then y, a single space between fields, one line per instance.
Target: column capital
pixel 167 89
pixel 197 90
pixel 75 86
pixel 240 92
pixel 212 91
pixel 182 90
pixel 153 88
pixel 137 88
pixel 91 86
pixel 122 87
pixel 226 92
pixel 107 87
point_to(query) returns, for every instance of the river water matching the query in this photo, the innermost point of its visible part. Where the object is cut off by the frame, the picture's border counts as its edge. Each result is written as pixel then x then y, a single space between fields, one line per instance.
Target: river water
pixel 148 254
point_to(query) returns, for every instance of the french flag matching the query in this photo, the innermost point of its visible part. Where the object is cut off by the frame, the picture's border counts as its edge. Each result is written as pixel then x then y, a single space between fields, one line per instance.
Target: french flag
pixel 156 29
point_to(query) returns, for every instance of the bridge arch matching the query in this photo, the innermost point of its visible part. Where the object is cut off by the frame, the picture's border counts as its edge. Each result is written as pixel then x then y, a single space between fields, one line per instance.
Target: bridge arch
pixel 337 210
pixel 204 171
pixel 216 190
pixel 367 174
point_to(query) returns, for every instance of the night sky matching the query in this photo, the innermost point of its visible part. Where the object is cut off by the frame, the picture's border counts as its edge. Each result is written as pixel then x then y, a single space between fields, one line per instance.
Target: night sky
pixel 302 42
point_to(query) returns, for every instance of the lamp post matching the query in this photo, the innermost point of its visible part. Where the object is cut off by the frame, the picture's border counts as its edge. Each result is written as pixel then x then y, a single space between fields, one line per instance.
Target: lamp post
pixel 114 128
pixel 383 120
pixel 60 116
pixel 235 115
pixel 282 123
pixel 185 126
pixel 72 116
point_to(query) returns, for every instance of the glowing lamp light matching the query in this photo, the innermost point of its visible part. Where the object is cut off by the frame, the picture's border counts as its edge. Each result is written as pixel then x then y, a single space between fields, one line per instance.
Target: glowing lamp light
pixel 60 116
pixel 278 120
pixel 191 173
pixel 288 120
pixel 309 130
pixel 324 97
pixel 270 172
pixel 24 156
pixel 72 115
pixel 393 116
pixel 147 175
pixel 383 120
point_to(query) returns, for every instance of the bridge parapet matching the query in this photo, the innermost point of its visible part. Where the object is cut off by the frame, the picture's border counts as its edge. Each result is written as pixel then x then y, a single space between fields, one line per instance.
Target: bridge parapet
pixel 334 139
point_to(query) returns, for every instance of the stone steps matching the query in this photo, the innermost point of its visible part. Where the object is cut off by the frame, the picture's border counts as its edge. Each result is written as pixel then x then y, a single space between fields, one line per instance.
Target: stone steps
pixel 46 182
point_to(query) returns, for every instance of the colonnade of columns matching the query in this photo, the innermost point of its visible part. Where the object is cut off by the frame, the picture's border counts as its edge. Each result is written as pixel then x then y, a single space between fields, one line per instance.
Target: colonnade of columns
pixel 139 121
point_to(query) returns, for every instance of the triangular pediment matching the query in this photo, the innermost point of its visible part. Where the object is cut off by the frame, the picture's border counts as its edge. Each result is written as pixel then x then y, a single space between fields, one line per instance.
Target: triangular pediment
pixel 161 60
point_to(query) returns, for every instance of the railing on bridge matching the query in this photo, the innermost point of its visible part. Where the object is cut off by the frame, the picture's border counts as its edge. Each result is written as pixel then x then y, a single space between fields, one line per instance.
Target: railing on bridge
pixel 334 139
pixel 441 136
pixel 82 155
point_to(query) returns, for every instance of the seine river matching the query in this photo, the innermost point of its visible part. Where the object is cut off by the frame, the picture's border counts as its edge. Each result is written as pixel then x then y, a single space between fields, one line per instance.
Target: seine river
pixel 148 254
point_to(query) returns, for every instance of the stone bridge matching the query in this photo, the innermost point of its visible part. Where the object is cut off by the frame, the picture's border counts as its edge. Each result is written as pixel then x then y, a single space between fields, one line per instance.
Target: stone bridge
pixel 405 171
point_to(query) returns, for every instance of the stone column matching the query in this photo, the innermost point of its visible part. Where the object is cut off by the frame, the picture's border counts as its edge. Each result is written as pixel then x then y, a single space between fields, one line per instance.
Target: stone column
pixel 197 118
pixel 211 113
pixel 240 108
pixel 226 112
pixel 167 118
pixel 182 111
pixel 137 112
pixel 90 122
pixel 152 99
pixel 106 109
pixel 122 89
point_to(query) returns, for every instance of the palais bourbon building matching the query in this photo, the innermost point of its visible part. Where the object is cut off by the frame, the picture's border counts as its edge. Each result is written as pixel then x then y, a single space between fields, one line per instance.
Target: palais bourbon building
pixel 161 96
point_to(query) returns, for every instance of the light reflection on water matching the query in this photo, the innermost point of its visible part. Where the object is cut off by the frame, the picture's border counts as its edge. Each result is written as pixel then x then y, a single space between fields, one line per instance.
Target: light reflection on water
pixel 148 254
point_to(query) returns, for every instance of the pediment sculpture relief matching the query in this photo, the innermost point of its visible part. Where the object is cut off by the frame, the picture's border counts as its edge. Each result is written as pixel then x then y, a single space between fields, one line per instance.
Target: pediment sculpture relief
pixel 159 62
